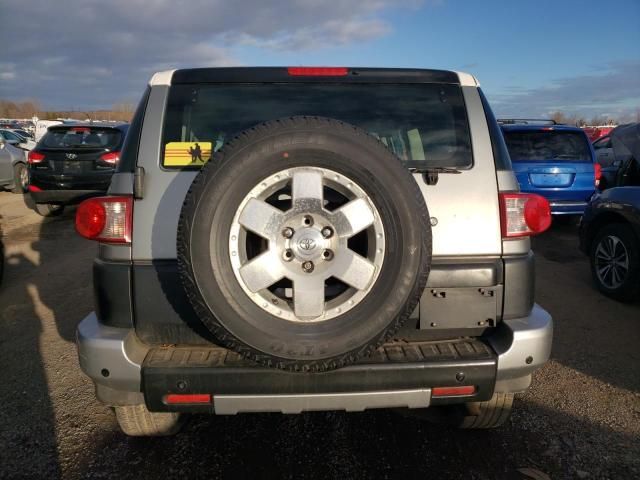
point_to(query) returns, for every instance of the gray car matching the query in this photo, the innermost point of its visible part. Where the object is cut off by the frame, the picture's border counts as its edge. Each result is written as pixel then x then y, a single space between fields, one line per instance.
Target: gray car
pixel 295 239
pixel 13 168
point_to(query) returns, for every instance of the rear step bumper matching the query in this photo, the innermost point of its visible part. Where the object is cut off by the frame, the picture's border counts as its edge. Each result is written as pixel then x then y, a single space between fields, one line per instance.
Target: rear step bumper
pixel 397 375
pixel 126 371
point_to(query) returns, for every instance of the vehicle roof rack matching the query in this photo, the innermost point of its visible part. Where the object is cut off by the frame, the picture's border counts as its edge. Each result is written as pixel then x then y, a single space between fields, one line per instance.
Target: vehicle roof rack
pixel 527 121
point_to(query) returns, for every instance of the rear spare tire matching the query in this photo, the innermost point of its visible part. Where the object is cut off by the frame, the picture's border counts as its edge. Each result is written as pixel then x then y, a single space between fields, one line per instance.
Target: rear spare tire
pixel 305 244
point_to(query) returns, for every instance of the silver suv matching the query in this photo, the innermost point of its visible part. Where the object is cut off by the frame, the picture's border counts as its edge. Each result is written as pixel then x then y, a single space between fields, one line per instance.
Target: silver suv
pixel 294 239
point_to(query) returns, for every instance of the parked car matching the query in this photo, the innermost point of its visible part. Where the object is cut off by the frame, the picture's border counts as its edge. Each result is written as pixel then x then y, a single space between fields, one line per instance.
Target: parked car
pixel 289 273
pixel 17 140
pixel 73 162
pixel 22 132
pixel 610 228
pixel 609 161
pixel 42 126
pixel 555 161
pixel 13 167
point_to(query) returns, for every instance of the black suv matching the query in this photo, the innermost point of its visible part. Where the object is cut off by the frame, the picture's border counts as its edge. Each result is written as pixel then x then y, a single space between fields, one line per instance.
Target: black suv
pixel 73 162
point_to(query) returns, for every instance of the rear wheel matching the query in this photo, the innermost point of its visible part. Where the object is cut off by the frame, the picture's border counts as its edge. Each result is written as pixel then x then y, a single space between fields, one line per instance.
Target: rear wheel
pixel 138 421
pixel 492 413
pixel 20 178
pixel 615 261
pixel 49 209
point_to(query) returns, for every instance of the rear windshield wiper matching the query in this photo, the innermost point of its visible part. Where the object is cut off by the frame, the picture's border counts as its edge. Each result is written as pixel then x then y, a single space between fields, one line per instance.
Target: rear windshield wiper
pixel 430 174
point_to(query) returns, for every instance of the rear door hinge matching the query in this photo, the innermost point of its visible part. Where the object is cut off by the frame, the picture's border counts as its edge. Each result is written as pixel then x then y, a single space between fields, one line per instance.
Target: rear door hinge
pixel 138 183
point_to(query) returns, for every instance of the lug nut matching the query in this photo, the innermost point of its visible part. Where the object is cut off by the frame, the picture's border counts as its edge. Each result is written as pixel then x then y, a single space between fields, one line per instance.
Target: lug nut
pixel 307 267
pixel 327 232
pixel 287 232
pixel 287 255
pixel 327 254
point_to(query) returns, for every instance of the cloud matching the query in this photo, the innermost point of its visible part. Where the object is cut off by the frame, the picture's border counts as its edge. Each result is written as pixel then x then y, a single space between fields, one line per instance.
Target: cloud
pixel 613 92
pixel 93 53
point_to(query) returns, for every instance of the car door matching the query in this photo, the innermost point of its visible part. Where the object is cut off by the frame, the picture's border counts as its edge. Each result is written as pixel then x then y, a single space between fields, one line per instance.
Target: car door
pixel 6 167
pixel 605 156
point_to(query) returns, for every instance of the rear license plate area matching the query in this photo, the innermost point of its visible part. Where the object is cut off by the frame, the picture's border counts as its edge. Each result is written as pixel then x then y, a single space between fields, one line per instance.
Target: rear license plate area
pixel 72 167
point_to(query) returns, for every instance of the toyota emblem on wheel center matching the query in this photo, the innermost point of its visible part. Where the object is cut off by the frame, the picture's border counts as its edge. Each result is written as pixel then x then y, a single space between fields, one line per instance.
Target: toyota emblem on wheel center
pixel 307 243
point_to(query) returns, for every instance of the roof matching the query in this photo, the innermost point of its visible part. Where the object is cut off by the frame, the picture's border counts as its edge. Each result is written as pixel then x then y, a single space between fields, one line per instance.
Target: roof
pixel 119 125
pixel 530 127
pixel 280 74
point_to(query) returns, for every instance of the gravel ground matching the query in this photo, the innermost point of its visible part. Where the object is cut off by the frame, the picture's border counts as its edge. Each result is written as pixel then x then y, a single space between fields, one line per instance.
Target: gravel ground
pixel 580 419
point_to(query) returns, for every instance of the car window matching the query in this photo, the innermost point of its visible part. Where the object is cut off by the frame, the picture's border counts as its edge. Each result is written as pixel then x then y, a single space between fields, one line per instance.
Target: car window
pixel 604 142
pixel 547 145
pixel 11 136
pixel 424 125
pixel 81 137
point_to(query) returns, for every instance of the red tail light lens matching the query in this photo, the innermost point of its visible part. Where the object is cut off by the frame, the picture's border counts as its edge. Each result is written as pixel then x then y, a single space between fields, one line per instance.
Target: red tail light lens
pixel 597 173
pixel 106 219
pixel 187 398
pixel 111 157
pixel 35 157
pixel 523 214
pixel 33 188
pixel 453 391
pixel 317 71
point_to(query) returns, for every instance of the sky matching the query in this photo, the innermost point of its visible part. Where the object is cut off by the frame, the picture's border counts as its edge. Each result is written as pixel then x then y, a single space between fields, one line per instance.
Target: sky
pixel 531 57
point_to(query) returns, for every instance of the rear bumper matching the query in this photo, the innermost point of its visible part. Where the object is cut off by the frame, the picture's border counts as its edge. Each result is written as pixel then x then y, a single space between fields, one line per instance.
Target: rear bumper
pixel 126 371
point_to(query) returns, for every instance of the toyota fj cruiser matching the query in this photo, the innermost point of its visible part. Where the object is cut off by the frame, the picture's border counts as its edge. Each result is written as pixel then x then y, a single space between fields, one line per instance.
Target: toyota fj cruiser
pixel 294 239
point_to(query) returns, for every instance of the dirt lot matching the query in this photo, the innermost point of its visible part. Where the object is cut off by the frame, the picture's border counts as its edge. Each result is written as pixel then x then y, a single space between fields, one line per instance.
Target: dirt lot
pixel 580 419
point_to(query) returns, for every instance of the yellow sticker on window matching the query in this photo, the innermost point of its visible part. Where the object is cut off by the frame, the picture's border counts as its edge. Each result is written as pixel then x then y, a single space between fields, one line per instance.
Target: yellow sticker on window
pixel 186 154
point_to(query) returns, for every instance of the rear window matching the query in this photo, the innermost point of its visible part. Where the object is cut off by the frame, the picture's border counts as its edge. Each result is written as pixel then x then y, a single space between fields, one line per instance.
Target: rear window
pixel 81 137
pixel 543 146
pixel 424 125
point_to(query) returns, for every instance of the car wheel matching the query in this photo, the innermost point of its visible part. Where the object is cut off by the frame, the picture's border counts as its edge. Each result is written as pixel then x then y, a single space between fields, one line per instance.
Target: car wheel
pixel 305 245
pixel 138 421
pixel 49 209
pixel 20 178
pixel 492 413
pixel 615 261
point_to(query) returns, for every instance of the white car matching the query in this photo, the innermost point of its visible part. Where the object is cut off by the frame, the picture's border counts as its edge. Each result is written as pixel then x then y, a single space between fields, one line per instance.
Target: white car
pixel 17 140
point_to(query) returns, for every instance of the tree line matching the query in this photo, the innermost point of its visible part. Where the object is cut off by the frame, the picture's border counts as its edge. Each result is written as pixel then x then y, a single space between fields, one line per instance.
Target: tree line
pixel 30 108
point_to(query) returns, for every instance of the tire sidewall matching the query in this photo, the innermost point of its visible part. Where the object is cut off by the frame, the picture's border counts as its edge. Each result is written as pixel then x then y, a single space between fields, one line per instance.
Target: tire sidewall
pixel 227 308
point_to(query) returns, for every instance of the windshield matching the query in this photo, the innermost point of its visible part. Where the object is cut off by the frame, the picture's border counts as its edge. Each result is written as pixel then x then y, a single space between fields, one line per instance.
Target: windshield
pixel 425 125
pixel 81 137
pixel 547 145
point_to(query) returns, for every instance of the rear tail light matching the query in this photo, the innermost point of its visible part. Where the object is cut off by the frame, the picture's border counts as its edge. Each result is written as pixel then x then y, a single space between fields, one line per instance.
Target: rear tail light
pixel 33 188
pixel 35 157
pixel 106 219
pixel 110 157
pixel 597 174
pixel 317 71
pixel 523 214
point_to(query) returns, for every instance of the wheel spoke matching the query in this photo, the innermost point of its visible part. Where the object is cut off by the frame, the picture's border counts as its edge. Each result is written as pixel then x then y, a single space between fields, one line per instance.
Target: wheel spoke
pixel 262 272
pixel 261 218
pixel 308 296
pixel 353 269
pixel 601 253
pixel 307 185
pixel 615 277
pixel 353 217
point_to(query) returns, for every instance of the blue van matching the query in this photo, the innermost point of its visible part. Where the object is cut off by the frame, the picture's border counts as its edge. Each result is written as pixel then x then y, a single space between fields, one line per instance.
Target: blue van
pixel 555 161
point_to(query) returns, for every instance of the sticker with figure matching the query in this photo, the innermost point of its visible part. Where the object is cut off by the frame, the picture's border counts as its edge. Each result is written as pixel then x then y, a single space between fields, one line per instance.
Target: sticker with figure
pixel 186 154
